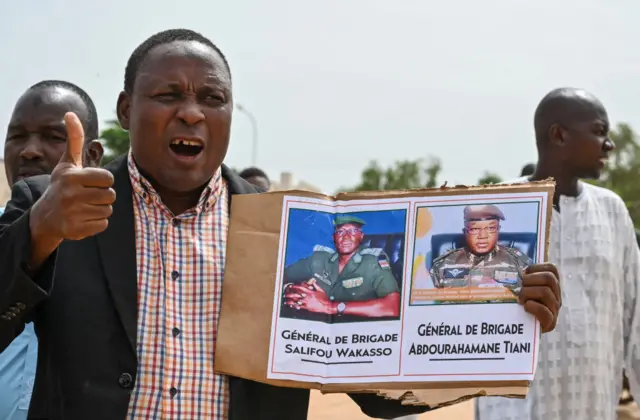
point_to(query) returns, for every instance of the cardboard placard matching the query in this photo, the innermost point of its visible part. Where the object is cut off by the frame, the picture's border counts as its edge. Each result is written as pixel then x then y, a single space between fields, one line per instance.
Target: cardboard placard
pixel 402 293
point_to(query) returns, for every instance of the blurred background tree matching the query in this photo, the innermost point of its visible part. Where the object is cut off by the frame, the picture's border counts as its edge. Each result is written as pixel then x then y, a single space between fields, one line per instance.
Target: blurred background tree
pixel 403 175
pixel 622 172
pixel 408 174
pixel 490 178
pixel 115 140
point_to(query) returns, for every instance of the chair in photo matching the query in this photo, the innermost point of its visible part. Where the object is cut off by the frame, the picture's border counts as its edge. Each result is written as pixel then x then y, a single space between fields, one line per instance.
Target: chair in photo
pixel 393 246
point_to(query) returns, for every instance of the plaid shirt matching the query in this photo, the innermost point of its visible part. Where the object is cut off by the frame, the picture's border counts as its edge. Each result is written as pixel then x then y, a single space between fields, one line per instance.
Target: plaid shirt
pixel 180 263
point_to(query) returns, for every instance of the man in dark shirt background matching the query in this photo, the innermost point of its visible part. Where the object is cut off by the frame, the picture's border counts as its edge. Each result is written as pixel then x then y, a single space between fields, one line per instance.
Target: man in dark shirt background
pixel 528 169
pixel 257 177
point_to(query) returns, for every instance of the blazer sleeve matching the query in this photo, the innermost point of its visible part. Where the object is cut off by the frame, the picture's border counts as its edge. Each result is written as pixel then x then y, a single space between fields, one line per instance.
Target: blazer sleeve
pixel 20 293
pixel 382 408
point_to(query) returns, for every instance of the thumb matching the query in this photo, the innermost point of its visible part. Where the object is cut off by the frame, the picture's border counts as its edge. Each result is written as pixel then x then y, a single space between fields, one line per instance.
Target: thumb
pixel 75 140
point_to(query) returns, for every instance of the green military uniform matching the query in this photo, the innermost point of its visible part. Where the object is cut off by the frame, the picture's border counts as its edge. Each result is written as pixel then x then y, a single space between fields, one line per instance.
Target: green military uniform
pixel 461 267
pixel 366 276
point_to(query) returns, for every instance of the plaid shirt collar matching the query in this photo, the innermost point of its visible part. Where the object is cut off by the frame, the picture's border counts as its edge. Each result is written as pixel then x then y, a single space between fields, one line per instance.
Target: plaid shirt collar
pixel 143 188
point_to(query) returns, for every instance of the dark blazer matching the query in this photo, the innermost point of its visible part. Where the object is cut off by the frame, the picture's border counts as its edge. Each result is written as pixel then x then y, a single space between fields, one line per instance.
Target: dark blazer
pixel 84 305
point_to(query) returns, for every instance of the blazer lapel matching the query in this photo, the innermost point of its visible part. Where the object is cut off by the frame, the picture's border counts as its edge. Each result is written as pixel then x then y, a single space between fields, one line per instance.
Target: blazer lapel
pixel 118 252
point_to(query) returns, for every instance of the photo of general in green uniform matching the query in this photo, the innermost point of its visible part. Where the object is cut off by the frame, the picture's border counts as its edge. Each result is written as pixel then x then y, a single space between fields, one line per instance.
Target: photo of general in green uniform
pixel 353 280
pixel 482 262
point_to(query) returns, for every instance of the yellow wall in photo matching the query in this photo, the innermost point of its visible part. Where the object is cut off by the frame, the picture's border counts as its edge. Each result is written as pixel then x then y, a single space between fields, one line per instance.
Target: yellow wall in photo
pixel 424 221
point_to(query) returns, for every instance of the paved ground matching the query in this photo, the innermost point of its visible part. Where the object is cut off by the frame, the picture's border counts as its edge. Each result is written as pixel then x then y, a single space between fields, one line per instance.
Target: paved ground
pixel 340 407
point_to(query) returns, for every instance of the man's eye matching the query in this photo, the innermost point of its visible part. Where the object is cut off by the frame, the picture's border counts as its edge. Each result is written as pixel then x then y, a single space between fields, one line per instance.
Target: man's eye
pixel 217 98
pixel 167 95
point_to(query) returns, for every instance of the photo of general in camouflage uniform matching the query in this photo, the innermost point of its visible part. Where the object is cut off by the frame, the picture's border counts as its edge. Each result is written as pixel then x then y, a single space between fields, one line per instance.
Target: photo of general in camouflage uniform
pixel 482 262
pixel 352 281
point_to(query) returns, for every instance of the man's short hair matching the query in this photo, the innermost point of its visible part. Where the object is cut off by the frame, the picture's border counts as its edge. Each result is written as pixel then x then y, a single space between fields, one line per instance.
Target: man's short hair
pixel 528 169
pixel 253 171
pixel 165 37
pixel 91 125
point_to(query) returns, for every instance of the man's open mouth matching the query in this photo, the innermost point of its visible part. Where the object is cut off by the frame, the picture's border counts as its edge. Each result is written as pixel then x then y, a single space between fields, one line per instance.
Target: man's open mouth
pixel 184 147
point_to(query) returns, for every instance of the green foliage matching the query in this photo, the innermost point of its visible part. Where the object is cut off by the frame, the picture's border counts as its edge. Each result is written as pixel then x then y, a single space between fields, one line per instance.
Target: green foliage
pixel 622 172
pixel 115 140
pixel 489 178
pixel 403 175
pixel 408 174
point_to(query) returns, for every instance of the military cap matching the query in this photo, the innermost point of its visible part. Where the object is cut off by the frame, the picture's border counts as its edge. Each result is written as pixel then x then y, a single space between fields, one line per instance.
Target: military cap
pixel 343 219
pixel 483 212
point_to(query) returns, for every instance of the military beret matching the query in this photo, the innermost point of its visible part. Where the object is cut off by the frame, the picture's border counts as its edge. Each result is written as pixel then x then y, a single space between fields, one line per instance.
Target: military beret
pixel 344 219
pixel 483 212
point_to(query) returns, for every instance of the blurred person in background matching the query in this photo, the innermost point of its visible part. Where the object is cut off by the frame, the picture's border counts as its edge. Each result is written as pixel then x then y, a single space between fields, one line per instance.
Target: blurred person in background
pixel 35 141
pixel 256 177
pixel 593 244
pixel 528 169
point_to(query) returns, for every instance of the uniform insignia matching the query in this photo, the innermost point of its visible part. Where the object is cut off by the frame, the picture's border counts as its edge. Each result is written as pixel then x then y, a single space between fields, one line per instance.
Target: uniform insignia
pixel 371 251
pixel 446 254
pixel 383 263
pixel 522 258
pixel 351 283
pixel 323 278
pixel 507 277
pixel 455 273
pixel 322 248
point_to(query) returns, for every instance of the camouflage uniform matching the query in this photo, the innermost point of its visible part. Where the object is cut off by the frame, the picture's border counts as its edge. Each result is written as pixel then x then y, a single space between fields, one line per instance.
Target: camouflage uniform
pixel 461 268
pixel 502 266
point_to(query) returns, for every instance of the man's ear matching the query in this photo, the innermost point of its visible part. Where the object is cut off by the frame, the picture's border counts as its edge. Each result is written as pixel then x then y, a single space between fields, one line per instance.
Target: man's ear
pixel 557 135
pixel 93 152
pixel 123 107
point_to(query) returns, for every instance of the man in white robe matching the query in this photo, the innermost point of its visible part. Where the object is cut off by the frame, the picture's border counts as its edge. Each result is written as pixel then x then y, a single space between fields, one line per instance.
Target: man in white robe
pixel 593 244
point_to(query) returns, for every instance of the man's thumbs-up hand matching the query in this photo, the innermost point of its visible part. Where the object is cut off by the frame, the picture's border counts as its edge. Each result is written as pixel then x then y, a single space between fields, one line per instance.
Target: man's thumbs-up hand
pixel 72 157
pixel 78 202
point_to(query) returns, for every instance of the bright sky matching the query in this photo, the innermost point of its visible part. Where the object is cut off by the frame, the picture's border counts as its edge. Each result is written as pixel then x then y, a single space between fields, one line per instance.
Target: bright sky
pixel 337 83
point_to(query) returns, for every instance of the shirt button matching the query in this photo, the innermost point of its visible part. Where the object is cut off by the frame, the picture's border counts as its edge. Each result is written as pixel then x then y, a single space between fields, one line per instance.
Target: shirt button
pixel 175 275
pixel 331 298
pixel 175 222
pixel 175 331
pixel 173 391
pixel 125 380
